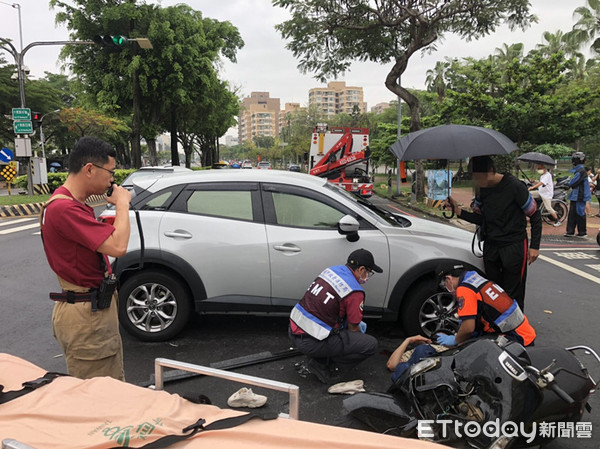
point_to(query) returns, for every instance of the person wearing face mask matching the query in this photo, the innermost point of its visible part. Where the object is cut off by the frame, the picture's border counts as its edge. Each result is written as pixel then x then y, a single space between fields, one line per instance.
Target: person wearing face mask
pixel 483 308
pixel 505 207
pixel 544 190
pixel 326 325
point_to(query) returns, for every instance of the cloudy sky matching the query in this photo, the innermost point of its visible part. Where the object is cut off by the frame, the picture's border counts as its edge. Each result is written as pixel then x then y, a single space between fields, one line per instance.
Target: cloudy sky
pixel 264 64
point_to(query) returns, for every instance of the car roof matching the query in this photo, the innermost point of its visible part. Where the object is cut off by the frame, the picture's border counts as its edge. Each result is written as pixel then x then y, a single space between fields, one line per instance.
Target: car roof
pixel 275 176
pixel 163 168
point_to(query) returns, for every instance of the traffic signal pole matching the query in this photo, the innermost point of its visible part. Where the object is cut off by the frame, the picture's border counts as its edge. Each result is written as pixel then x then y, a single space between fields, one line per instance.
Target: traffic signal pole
pixel 5 44
pixel 19 56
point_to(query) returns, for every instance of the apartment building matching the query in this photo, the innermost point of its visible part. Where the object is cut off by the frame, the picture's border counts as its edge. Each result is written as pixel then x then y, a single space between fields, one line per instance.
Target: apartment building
pixel 259 116
pixel 337 98
pixel 380 107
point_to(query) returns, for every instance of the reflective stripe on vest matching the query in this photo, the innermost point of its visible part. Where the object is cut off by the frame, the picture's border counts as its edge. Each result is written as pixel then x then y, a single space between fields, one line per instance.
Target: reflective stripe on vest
pixel 341 280
pixel 474 279
pixel 511 319
pixel 310 323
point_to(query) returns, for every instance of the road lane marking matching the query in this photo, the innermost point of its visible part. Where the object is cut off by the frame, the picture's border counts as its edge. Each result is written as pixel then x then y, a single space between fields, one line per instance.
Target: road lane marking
pixel 564 266
pixel 17 221
pixel 577 255
pixel 20 228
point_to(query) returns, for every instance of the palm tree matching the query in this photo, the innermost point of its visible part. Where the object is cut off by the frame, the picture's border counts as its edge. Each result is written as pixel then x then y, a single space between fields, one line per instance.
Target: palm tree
pixel 436 79
pixel 565 43
pixel 587 26
pixel 506 55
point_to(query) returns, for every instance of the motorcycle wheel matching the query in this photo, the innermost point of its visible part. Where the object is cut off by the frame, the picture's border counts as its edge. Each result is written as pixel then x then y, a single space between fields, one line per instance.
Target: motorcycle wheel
pixel 561 210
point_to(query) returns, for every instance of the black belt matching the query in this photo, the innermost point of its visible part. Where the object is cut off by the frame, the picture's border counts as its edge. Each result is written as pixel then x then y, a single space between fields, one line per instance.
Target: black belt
pixel 71 297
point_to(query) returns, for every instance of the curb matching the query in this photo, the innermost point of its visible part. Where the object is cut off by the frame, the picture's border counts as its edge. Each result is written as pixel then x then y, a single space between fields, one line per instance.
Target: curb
pixel 29 209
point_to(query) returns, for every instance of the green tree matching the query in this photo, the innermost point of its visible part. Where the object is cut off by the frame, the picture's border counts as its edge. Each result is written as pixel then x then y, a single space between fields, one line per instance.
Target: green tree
pixel 152 88
pixel 587 26
pixel 327 36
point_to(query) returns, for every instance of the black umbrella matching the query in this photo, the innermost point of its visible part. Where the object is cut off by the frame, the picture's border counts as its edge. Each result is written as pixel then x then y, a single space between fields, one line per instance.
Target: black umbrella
pixel 537 158
pixel 452 142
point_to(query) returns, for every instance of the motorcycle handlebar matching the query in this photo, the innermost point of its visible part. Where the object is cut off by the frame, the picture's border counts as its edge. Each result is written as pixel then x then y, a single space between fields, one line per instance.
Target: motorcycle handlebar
pixel 561 393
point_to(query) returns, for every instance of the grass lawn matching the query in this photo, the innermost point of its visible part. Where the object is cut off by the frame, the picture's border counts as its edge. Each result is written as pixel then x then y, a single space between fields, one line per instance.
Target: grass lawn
pixel 11 200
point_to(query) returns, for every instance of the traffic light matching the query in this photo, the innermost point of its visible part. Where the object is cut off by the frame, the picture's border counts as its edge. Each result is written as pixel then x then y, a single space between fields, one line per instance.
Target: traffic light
pixel 111 41
pixel 36 119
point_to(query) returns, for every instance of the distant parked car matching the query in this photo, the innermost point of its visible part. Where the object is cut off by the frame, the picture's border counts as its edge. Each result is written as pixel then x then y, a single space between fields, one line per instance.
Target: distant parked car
pixel 264 165
pixel 236 165
pixel 249 241
pixel 246 164
pixel 294 167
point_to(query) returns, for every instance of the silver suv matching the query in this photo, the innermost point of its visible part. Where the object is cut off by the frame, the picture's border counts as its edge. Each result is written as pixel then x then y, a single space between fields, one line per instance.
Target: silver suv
pixel 251 241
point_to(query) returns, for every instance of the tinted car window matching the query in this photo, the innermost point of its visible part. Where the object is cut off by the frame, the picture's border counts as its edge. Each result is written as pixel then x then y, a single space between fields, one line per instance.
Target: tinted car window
pixel 230 203
pixel 300 211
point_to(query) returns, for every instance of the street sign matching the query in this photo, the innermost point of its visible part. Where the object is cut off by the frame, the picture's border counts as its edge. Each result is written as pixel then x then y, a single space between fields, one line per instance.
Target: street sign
pixel 21 114
pixel 6 155
pixel 23 127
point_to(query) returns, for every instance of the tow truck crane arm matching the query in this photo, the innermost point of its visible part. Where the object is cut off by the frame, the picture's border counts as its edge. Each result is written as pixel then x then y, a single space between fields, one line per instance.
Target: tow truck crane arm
pixel 329 163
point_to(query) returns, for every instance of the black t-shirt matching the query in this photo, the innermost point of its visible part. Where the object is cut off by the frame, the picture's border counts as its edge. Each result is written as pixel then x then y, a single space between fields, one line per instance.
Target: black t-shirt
pixel 504 213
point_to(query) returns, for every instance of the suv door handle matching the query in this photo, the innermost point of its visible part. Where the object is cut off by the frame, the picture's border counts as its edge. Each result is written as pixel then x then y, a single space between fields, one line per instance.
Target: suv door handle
pixel 287 247
pixel 178 234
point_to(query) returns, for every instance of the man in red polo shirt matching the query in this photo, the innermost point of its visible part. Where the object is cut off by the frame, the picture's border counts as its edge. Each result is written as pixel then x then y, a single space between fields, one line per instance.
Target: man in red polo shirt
pixel 77 246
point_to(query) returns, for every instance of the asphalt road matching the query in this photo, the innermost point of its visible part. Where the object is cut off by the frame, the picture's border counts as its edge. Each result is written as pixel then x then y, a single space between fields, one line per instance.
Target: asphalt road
pixel 561 304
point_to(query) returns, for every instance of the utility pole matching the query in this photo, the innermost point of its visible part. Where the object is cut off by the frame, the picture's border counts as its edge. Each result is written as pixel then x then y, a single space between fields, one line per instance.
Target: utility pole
pixel 399 134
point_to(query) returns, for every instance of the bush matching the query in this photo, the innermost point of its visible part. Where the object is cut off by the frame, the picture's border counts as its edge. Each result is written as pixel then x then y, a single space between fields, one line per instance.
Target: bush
pixel 55 180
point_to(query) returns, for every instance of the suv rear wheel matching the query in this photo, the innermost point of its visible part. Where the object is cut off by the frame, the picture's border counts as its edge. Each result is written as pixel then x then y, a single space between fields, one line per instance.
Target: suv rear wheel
pixel 428 309
pixel 154 305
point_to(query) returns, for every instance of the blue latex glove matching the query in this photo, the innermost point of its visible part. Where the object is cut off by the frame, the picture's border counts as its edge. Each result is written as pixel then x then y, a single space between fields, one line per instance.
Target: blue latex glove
pixel 446 340
pixel 363 327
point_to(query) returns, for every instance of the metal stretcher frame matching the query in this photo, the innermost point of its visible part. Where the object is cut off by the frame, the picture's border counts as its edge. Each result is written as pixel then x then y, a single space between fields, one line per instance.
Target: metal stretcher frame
pixel 292 390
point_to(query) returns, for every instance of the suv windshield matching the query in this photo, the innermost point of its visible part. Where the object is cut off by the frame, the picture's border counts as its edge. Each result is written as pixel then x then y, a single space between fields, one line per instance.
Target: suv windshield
pixel 376 212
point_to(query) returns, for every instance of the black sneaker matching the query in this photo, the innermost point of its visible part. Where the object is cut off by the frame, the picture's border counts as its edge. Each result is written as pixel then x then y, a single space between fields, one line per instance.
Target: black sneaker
pixel 320 371
pixel 569 235
pixel 581 236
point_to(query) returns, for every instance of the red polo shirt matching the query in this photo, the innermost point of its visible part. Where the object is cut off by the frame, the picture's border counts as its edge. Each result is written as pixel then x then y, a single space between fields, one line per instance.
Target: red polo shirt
pixel 72 236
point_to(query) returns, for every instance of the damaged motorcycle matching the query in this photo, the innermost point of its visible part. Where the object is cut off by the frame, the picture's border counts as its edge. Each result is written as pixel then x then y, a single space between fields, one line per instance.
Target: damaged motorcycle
pixel 490 393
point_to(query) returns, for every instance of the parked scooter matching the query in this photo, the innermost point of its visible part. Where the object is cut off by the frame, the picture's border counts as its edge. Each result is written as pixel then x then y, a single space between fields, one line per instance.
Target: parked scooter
pixel 449 396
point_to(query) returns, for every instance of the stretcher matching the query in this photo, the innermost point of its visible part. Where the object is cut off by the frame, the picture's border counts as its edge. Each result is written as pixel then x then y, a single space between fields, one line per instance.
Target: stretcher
pixel 103 413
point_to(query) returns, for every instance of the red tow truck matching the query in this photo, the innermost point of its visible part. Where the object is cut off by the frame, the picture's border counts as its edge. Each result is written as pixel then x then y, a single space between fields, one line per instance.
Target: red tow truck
pixel 341 154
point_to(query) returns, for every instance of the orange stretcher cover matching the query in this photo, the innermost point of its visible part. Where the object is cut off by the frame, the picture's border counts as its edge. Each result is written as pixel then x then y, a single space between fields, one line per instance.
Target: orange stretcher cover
pixel 102 413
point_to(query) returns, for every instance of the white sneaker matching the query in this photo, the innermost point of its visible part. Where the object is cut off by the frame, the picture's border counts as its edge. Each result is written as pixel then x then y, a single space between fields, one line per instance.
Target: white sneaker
pixel 354 386
pixel 245 397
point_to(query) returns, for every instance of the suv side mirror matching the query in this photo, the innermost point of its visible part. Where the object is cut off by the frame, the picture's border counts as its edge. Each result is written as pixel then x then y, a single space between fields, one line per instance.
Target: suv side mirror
pixel 348 226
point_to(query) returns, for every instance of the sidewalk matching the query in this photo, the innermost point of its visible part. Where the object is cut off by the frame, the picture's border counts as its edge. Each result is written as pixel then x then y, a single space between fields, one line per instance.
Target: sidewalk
pixel 464 196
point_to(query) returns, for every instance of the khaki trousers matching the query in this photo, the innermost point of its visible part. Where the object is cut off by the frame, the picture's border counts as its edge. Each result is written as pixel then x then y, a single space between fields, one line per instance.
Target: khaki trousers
pixel 90 340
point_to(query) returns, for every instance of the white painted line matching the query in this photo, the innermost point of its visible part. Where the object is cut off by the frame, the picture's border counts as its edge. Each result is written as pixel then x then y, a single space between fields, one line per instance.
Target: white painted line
pixel 20 228
pixel 564 266
pixel 571 248
pixel 17 221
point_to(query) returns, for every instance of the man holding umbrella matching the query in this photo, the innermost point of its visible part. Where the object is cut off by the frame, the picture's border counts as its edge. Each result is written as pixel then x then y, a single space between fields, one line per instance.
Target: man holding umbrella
pixel 503 206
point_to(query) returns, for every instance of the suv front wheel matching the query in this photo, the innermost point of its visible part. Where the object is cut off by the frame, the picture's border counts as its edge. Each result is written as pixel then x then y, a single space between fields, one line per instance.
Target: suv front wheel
pixel 428 309
pixel 154 306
